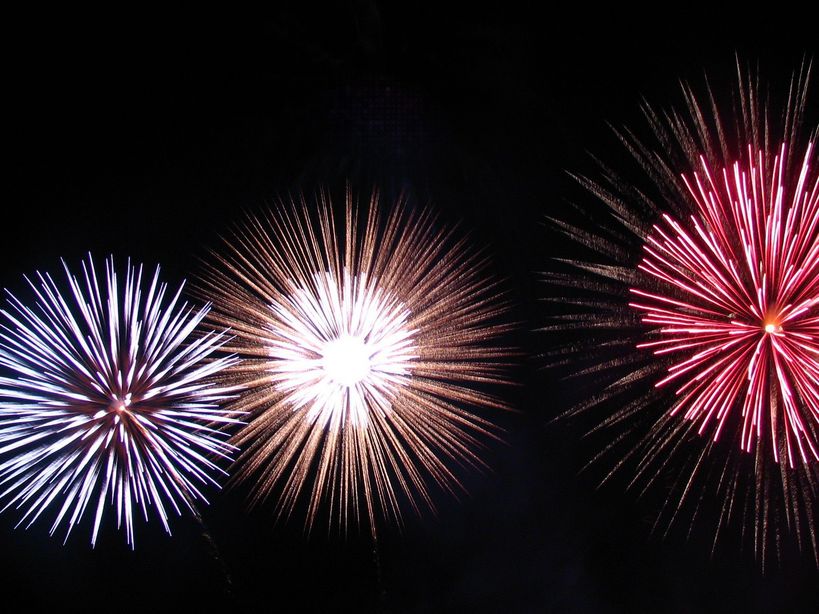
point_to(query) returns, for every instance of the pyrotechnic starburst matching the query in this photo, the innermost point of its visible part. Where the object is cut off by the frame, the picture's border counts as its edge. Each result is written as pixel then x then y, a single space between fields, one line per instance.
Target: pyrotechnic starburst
pixel 367 346
pixel 110 401
pixel 722 310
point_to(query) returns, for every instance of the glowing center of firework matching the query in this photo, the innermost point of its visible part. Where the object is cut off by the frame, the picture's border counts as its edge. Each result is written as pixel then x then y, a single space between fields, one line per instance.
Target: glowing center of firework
pixel 346 360
pixel 772 324
pixel 120 405
pixel 341 349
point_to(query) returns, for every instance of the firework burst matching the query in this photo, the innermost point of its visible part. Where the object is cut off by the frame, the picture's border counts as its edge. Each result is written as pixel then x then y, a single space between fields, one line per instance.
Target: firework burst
pixel 720 316
pixel 366 346
pixel 110 402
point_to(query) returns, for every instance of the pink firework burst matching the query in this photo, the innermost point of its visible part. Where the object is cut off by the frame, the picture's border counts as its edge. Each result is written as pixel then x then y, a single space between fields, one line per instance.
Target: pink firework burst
pixel 695 308
pixel 740 315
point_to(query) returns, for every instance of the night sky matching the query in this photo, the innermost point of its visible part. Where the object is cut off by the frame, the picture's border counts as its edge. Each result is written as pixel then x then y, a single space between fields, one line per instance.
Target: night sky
pixel 146 135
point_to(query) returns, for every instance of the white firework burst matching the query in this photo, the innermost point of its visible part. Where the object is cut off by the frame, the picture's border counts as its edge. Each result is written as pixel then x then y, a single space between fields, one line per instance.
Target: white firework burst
pixel 109 402
pixel 368 348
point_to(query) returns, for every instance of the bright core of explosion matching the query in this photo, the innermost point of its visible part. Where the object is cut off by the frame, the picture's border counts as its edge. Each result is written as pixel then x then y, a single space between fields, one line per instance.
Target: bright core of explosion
pixel 341 348
pixel 346 360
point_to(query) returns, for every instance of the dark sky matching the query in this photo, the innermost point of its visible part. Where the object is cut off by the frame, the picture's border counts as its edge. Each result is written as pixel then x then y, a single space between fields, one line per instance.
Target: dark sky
pixel 147 134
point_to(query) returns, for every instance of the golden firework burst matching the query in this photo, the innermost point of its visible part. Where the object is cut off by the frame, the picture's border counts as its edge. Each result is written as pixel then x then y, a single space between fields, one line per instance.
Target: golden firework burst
pixel 369 353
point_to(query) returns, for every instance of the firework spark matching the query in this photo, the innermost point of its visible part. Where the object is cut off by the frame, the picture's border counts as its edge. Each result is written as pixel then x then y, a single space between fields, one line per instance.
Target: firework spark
pixel 367 345
pixel 110 402
pixel 724 304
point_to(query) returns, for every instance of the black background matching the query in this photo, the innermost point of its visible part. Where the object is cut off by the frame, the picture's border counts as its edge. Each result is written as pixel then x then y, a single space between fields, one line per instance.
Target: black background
pixel 147 134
